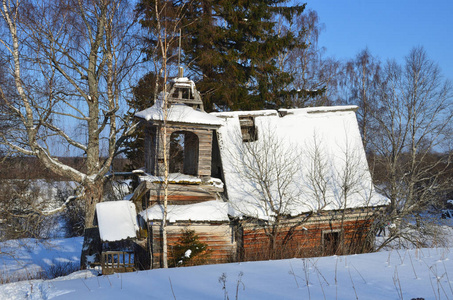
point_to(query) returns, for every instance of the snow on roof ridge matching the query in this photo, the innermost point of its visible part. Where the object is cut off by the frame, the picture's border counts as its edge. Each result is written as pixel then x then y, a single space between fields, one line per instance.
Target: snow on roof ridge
pixel 273 112
pixel 332 108
pixel 319 109
pixel 181 79
pixel 264 112
pixel 214 210
pixel 178 112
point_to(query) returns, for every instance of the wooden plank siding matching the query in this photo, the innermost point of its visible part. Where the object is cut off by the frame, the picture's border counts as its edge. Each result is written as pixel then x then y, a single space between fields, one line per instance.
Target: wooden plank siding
pixel 182 193
pixel 149 193
pixel 218 237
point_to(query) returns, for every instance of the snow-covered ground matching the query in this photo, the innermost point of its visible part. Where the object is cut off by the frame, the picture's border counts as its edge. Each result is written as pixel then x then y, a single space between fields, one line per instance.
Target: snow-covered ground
pixel 27 258
pixel 398 274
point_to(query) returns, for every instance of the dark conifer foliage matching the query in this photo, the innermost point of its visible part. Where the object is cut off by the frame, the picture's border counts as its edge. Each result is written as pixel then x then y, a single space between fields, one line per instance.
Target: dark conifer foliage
pixel 230 48
pixel 189 251
pixel 143 97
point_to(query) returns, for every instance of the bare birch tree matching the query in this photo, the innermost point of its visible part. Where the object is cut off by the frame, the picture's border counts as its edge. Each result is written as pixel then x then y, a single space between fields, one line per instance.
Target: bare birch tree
pixel 163 47
pixel 315 76
pixel 352 183
pixel 414 119
pixel 338 182
pixel 363 80
pixel 271 167
pixel 318 177
pixel 164 35
pixel 68 61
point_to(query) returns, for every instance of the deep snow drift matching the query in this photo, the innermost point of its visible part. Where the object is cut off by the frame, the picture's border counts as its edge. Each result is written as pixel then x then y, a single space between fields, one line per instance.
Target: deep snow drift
pixel 397 274
pixel 403 274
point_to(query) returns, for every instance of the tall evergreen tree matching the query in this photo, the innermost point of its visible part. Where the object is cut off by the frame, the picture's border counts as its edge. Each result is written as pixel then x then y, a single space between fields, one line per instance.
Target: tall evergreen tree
pixel 142 98
pixel 230 47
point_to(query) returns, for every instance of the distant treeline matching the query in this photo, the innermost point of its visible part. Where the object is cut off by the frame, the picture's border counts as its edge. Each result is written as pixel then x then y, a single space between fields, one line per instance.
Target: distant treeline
pixel 31 168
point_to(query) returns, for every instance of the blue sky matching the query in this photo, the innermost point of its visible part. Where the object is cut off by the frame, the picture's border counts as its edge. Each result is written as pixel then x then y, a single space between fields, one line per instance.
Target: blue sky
pixel 389 28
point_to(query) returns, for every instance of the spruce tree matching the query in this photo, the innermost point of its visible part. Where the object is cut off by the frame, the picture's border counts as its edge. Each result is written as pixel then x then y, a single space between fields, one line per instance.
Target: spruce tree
pixel 230 47
pixel 189 251
pixel 142 98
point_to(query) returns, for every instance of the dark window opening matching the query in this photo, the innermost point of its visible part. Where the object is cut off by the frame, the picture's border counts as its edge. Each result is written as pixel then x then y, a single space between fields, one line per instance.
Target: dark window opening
pixel 177 153
pixel 331 242
pixel 248 129
pixel 216 161
pixel 184 153
pixel 182 93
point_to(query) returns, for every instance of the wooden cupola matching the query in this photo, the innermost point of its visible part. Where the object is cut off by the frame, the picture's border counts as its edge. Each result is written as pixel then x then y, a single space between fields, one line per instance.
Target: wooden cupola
pixel 183 91
pixel 189 132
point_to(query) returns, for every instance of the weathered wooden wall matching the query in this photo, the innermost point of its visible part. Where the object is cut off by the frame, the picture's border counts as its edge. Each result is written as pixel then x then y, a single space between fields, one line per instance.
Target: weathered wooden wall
pixel 247 240
pixel 151 146
pixel 182 193
pixel 306 239
pixel 218 237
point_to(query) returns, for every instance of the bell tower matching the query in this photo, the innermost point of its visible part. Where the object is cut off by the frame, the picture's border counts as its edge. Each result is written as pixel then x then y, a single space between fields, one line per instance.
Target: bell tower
pixel 188 133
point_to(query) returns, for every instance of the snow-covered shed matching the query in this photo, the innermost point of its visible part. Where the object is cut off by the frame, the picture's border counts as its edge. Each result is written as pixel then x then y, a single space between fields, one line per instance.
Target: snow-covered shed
pixel 117 224
pixel 117 221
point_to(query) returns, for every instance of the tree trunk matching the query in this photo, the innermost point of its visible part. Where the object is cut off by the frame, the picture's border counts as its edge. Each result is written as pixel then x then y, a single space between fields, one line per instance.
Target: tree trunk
pixel 91 240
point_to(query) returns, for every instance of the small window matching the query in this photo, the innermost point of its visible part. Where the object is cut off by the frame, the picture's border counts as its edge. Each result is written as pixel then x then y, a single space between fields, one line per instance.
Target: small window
pixel 182 93
pixel 248 129
pixel 331 241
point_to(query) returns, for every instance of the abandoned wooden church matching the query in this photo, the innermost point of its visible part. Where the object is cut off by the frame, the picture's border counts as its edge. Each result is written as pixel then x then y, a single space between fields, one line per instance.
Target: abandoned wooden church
pixel 251 184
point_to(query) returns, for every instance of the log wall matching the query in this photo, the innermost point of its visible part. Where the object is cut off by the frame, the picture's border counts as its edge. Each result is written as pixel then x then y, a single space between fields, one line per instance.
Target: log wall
pixel 246 240
pixel 309 239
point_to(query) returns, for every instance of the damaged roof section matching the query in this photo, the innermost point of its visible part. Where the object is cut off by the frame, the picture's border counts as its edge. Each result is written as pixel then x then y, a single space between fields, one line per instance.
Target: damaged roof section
pixel 117 220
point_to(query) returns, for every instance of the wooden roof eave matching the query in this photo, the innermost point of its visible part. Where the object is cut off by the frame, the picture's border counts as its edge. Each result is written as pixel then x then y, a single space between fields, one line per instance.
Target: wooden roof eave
pixel 188 125
pixel 132 239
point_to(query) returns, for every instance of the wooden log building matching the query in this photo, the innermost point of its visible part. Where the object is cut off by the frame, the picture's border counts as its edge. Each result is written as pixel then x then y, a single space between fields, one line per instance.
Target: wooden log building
pixel 210 193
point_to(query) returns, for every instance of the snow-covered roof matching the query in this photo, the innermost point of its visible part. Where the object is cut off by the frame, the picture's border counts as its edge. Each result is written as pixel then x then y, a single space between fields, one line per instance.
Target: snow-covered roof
pixel 178 113
pixel 320 109
pixel 181 178
pixel 233 114
pixel 317 151
pixel 213 211
pixel 184 81
pixel 117 220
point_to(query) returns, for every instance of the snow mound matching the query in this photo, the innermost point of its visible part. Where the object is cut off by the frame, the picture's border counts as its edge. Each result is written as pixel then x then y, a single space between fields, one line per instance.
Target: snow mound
pixel 117 220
